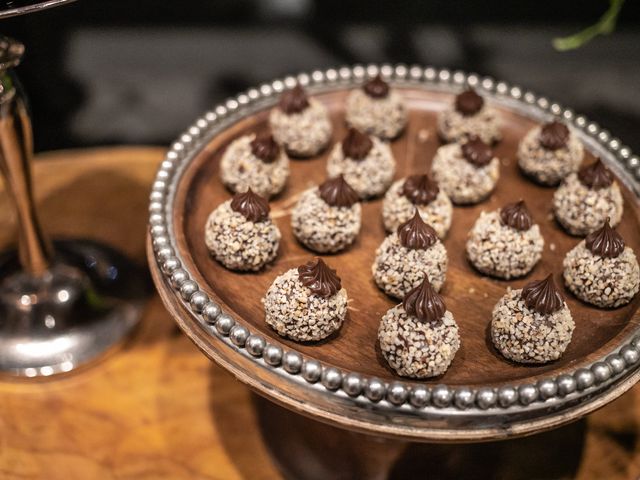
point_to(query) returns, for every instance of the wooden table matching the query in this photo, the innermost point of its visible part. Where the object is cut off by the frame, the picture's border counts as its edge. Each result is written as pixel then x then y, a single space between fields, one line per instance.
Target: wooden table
pixel 159 409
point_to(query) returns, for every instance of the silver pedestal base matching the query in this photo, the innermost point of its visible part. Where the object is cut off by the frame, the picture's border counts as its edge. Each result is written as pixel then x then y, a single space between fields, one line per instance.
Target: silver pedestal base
pixel 88 301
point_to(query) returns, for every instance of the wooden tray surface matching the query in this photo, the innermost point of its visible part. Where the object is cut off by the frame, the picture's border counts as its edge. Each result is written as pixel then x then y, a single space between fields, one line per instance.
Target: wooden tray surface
pixel 469 295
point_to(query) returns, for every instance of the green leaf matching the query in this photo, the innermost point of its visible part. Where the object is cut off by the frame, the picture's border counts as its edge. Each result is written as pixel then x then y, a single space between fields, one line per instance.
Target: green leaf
pixel 605 25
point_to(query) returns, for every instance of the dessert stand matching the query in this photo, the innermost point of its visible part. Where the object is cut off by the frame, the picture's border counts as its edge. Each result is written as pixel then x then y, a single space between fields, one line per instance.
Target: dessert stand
pixel 64 303
pixel 343 380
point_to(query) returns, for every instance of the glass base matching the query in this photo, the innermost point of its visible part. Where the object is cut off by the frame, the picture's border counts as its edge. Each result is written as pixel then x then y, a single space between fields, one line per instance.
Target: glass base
pixel 86 303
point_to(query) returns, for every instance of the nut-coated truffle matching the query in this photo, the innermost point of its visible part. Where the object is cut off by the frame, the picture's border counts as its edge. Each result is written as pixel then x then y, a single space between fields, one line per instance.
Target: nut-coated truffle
pixel 302 127
pixel 376 109
pixel 469 116
pixel 500 250
pixel 545 164
pixel 525 335
pixel 398 207
pixel 306 303
pixel 581 208
pixel 371 174
pixel 463 181
pixel 257 163
pixel 241 243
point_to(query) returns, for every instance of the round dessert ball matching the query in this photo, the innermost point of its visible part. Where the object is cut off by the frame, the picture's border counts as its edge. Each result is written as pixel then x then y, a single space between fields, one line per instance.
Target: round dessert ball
pixel 469 117
pixel 366 163
pixel 419 337
pixel 585 200
pixel 306 303
pixel 301 124
pixel 255 162
pixel 601 270
pixel 467 173
pixel 407 257
pixel 421 193
pixel 327 218
pixel 505 243
pixel 533 324
pixel 376 109
pixel 240 234
pixel 550 152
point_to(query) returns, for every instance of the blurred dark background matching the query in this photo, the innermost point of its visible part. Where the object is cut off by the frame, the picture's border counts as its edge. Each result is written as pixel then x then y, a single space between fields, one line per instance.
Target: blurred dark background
pixel 139 72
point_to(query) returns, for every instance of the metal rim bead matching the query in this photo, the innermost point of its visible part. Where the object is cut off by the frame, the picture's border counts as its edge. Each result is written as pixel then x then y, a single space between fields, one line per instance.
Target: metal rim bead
pixel 255 344
pixel 188 288
pixel 238 335
pixel 224 324
pixel 210 312
pixel 397 393
pixel 486 398
pixel 419 396
pixel 463 398
pixel 331 378
pixel 507 396
pixel 441 396
pixel 198 300
pixel 374 389
pixel 272 355
pixel 311 371
pixel 527 394
pixel 352 384
pixel 292 362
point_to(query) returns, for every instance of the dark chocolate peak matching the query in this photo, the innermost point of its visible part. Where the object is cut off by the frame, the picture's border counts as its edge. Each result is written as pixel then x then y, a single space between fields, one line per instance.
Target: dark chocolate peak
pixel 251 205
pixel 319 278
pixel 336 192
pixel 376 87
pixel 476 152
pixel 416 234
pixel 265 148
pixel 605 242
pixel 469 102
pixel 516 215
pixel 356 145
pixel 420 189
pixel 554 135
pixel 294 100
pixel 424 303
pixel 542 296
pixel 596 175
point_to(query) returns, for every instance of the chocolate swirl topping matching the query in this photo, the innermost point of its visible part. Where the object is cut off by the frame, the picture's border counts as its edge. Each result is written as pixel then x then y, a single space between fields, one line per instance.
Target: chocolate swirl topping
pixel 376 87
pixel 356 145
pixel 336 192
pixel 265 148
pixel 553 135
pixel 476 152
pixel 251 205
pixel 319 278
pixel 294 100
pixel 416 234
pixel 596 176
pixel 542 296
pixel 424 303
pixel 469 102
pixel 605 242
pixel 516 215
pixel 420 189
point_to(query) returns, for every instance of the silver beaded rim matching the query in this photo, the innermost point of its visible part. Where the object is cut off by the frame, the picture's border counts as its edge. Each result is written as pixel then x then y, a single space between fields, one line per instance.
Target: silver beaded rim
pixel 556 393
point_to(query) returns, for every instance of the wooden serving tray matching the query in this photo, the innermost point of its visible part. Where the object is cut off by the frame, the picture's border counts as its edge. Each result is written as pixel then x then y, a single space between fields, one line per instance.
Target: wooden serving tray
pixel 194 190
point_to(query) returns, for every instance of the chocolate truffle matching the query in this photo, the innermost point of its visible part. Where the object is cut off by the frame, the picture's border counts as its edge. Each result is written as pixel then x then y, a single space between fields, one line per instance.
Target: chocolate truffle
pixel 467 172
pixel 327 218
pixel 550 152
pixel 376 109
pixel 300 123
pixel 584 200
pixel 421 193
pixel 505 243
pixel 306 303
pixel 469 116
pixel 419 337
pixel 404 258
pixel 366 163
pixel 533 324
pixel 240 234
pixel 255 162
pixel 601 270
